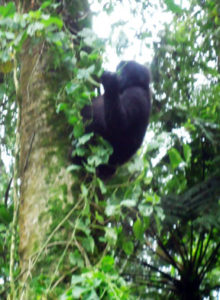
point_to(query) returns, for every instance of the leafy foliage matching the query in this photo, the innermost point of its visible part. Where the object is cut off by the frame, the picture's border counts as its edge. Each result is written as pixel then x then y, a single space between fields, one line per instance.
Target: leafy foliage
pixel 100 282
pixel 154 228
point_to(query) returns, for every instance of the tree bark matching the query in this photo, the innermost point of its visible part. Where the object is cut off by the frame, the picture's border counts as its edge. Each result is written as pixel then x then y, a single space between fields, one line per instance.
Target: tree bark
pixel 45 185
pixel 43 156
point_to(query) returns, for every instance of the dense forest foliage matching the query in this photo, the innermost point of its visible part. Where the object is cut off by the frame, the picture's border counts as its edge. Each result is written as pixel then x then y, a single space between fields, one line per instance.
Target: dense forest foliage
pixel 152 231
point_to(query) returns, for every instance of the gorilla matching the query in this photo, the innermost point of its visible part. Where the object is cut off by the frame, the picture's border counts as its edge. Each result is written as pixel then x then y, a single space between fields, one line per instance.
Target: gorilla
pixel 121 115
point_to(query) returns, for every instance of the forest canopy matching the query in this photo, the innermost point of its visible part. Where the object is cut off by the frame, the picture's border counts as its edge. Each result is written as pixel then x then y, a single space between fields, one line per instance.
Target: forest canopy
pixel 152 231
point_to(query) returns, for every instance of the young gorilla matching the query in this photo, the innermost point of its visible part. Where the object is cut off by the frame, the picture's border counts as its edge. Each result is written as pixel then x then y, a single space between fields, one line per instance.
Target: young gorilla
pixel 121 115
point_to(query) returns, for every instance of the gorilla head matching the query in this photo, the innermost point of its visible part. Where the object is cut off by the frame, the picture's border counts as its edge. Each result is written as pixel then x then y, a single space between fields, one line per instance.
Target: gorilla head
pixel 133 74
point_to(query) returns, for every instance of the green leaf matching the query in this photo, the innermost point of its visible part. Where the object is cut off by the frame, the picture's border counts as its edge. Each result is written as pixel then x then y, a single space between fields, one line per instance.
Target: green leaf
pixel 56 38
pixel 73 168
pixel 138 229
pixel 92 81
pixel 77 279
pixel 45 4
pixel 78 291
pixel 5 215
pixel 5 56
pixel 89 244
pixel 79 152
pixel 99 217
pixel 85 138
pixel 145 210
pixel 19 40
pixel 76 259
pixel 84 74
pixel 3 228
pixel 71 87
pixel 108 264
pixel 111 236
pixel 154 199
pixel 48 21
pixel 8 10
pixel 83 226
pixel 92 295
pixel 128 203
pixel 175 158
pixel 112 210
pixel 187 153
pixel 61 107
pixel 173 6
pixel 128 247
pixel 72 118
pixel 34 15
pixel 102 186
pixel 78 130
pixel 94 160
pixel 84 190
pixel 9 35
pixel 33 27
pixel 146 222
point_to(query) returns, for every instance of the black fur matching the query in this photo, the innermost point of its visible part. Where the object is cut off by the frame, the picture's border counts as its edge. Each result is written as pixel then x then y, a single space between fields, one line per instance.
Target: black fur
pixel 121 115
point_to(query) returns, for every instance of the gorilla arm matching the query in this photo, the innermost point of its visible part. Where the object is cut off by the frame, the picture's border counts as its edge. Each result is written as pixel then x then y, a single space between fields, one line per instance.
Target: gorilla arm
pixel 115 115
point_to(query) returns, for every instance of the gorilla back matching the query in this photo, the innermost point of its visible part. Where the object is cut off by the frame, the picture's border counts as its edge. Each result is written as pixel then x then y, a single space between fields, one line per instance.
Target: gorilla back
pixel 121 115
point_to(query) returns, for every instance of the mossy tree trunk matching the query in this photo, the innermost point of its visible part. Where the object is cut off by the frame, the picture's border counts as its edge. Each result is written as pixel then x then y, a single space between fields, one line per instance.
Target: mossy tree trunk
pixel 43 150
pixel 45 185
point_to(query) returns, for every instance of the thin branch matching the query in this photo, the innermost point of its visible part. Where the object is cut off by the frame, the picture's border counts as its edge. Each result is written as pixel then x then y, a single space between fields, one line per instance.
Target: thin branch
pixel 15 78
pixel 56 229
pixel 149 281
pixel 7 192
pixel 200 240
pixel 183 245
pixel 31 266
pixel 209 262
pixel 159 253
pixel 172 261
pixel 165 275
pixel 200 259
pixel 16 201
pixel 180 248
pixel 191 241
pixel 62 277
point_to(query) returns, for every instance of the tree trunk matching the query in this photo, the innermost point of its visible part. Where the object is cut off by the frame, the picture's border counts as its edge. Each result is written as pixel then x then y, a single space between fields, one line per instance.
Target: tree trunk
pixel 45 184
pixel 43 158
